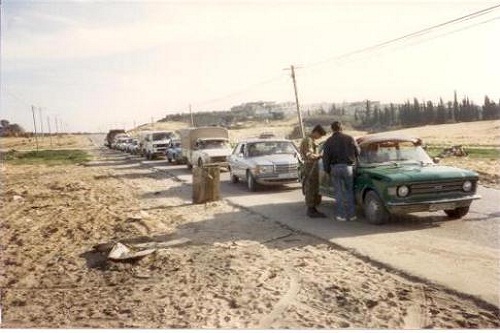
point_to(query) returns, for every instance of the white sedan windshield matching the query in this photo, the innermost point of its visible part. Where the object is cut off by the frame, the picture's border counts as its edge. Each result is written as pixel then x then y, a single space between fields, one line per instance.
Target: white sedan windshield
pixel 270 148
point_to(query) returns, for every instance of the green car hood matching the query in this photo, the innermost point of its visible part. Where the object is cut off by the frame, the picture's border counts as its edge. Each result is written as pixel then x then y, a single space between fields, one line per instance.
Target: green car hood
pixel 411 173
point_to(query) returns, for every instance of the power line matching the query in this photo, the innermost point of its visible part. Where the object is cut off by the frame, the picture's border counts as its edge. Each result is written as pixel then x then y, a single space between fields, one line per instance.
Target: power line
pixel 403 46
pixel 19 99
pixel 365 50
pixel 457 30
pixel 409 36
pixel 381 45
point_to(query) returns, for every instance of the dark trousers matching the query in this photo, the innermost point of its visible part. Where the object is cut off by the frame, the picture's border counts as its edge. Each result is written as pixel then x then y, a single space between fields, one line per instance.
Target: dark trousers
pixel 343 186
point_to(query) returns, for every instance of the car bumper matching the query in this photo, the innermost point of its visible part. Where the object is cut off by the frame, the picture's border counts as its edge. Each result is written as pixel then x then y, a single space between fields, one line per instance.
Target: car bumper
pixel 431 205
pixel 276 179
pixel 216 164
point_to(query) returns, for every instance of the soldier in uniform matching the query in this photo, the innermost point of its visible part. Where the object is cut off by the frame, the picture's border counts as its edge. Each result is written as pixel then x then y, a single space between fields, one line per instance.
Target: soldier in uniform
pixel 310 171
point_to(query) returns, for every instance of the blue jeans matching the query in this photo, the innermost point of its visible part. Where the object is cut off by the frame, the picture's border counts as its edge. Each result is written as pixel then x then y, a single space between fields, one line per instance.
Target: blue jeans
pixel 343 188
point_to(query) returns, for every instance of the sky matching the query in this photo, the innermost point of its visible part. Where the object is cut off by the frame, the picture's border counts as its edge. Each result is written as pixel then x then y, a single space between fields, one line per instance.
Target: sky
pixel 96 65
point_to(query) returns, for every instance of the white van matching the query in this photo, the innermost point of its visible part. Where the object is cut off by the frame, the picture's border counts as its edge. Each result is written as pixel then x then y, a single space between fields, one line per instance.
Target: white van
pixel 156 143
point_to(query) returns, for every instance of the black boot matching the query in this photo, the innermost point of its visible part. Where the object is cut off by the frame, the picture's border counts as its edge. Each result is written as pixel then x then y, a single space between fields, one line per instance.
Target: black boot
pixel 320 214
pixel 313 213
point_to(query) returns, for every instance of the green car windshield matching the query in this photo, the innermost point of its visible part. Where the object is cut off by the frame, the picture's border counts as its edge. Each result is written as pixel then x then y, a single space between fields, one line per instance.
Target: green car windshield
pixel 390 152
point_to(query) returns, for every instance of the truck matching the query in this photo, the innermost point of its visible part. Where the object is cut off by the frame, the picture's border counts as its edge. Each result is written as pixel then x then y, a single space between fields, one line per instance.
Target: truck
pixel 110 137
pixel 205 146
pixel 156 143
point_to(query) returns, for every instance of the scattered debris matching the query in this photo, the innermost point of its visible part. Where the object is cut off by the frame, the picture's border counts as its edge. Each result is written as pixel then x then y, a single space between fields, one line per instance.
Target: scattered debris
pixel 457 150
pixel 120 251
pixel 162 245
pixel 123 252
pixel 137 217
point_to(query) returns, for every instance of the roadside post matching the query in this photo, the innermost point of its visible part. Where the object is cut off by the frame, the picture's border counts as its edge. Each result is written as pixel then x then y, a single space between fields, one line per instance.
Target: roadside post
pixel 206 183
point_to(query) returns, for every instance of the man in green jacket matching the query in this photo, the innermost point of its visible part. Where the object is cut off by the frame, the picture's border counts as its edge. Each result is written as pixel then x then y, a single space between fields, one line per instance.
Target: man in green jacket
pixel 310 172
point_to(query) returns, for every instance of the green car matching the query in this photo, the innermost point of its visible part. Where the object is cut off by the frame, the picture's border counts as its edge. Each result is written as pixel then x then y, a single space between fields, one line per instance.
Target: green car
pixel 395 175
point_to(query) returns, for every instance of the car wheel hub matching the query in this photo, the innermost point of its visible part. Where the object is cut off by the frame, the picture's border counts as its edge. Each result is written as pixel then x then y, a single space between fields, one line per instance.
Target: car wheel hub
pixel 373 209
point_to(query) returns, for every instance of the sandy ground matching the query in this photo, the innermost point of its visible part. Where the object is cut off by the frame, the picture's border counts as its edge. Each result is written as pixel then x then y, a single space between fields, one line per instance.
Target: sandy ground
pixel 478 133
pixel 239 269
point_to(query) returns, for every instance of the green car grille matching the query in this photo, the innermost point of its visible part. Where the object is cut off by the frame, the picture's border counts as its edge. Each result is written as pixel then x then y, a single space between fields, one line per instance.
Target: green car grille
pixel 438 187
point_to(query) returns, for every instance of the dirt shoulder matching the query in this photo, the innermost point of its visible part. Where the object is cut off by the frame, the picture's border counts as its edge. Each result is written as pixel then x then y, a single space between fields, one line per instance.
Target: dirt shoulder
pixel 63 141
pixel 239 269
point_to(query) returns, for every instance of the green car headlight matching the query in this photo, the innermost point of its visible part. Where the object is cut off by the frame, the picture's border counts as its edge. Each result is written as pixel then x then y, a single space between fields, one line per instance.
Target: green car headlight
pixel 403 191
pixel 467 186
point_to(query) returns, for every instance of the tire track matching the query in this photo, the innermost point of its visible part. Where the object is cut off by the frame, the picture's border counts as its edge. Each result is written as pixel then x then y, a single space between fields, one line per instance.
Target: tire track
pixel 284 302
pixel 417 317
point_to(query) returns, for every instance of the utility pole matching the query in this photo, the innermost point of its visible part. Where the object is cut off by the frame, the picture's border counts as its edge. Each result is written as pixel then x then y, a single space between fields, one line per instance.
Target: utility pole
pixel 57 129
pixel 41 122
pixel 50 134
pixel 191 114
pixel 301 124
pixel 34 125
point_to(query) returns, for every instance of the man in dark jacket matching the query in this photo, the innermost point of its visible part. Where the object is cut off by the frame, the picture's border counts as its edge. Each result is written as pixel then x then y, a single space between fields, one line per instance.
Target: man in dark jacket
pixel 340 156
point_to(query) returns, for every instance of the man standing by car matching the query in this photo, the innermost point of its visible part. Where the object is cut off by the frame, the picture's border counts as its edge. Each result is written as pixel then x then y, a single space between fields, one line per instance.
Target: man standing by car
pixel 340 155
pixel 310 172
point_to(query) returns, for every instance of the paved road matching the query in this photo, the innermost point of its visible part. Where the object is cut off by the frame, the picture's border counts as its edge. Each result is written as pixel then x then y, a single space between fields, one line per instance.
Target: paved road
pixel 462 255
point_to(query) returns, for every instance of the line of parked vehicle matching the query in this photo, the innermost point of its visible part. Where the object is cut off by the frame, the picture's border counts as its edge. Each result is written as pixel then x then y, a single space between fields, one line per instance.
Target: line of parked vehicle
pixel 149 144
pixel 261 161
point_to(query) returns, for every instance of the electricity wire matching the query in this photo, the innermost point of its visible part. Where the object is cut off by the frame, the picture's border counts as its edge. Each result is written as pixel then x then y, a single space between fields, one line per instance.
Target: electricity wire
pixel 346 56
pixel 407 36
pixel 374 48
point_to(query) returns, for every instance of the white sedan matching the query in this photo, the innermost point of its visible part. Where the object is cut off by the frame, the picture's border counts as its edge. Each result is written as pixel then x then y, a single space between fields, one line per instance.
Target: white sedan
pixel 264 162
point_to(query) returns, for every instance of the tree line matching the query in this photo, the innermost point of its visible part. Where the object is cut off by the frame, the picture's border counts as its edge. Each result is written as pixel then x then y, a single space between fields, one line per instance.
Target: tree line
pixel 371 115
pixel 8 129
pixel 418 113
